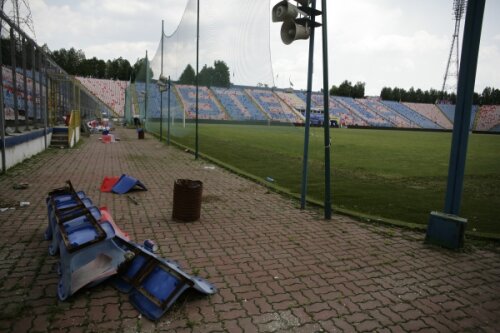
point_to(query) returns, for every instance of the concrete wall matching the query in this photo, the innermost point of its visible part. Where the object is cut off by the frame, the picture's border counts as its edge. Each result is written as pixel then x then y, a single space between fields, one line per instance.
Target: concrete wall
pixel 23 146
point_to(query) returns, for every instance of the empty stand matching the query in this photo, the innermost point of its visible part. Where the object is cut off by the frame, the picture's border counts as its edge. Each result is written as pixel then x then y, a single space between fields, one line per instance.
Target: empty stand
pixel 414 117
pixel 449 112
pixel 363 112
pixel 431 112
pixel 275 109
pixel 208 106
pixel 238 104
pixel 392 116
pixel 488 118
pixel 111 92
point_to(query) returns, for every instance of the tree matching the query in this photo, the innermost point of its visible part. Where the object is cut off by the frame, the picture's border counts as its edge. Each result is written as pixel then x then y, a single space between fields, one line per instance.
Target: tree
pixel 222 77
pixel 69 60
pixel 345 89
pixel 358 91
pixel 188 76
pixel 334 90
pixel 206 76
pixel 386 93
pixel 139 71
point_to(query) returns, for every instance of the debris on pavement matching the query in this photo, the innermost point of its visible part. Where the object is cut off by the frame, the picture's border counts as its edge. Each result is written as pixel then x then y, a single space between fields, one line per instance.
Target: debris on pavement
pixel 20 186
pixel 93 249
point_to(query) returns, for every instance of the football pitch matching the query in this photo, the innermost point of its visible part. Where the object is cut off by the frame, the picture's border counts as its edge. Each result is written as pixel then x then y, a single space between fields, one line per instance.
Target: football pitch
pixel 393 175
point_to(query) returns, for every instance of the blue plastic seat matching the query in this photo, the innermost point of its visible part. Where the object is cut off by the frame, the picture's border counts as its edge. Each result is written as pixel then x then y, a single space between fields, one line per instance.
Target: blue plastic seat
pixel 127 183
pixel 155 283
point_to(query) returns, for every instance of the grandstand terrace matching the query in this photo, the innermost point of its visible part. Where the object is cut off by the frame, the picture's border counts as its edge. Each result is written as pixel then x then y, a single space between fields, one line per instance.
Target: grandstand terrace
pixel 273 107
pixel 392 116
pixel 8 91
pixel 111 92
pixel 208 106
pixel 449 112
pixel 345 116
pixel 238 104
pixel 488 118
pixel 415 118
pixel 363 112
pixel 292 99
pixel 431 112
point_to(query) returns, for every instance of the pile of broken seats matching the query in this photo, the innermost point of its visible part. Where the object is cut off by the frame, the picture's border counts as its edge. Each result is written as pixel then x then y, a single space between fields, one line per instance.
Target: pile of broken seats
pixel 93 249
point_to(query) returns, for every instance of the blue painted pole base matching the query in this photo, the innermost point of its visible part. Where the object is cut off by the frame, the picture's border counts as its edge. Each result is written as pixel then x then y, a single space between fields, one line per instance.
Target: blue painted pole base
pixel 446 230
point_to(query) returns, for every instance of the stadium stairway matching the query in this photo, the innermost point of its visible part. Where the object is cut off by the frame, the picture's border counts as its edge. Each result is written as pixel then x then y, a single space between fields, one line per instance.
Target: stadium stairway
pixel 59 139
pixel 257 105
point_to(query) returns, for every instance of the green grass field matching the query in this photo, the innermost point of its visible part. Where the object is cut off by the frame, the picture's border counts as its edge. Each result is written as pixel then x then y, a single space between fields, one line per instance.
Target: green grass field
pixel 398 175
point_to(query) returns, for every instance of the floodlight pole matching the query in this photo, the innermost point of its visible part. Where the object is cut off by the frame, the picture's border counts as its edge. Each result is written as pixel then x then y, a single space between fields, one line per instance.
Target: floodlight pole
pixel 197 81
pixel 168 122
pixel 326 114
pixel 466 81
pixel 303 192
pixel 159 87
pixel 448 229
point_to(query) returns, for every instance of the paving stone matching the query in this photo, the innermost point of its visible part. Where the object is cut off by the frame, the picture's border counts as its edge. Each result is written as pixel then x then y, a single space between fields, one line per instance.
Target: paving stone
pixel 277 268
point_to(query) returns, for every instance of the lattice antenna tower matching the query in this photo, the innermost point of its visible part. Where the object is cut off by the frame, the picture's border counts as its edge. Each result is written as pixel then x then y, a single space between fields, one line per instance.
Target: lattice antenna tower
pixel 19 12
pixel 451 74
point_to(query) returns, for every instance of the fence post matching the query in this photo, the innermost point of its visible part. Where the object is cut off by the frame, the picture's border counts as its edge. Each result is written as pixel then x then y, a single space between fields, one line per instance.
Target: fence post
pixel 2 115
pixel 25 86
pixel 33 81
pixel 14 79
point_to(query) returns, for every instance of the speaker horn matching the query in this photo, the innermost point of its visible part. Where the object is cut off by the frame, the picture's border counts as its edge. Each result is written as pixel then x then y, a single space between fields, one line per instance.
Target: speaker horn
pixel 304 3
pixel 284 11
pixel 291 31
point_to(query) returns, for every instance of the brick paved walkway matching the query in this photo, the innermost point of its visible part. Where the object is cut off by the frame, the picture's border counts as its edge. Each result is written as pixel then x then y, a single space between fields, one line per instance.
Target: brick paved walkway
pixel 277 268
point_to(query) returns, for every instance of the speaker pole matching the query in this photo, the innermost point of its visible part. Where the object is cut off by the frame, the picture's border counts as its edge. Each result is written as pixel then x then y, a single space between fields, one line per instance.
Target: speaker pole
pixel 197 81
pixel 146 94
pixel 159 87
pixel 326 119
pixel 303 192
pixel 168 110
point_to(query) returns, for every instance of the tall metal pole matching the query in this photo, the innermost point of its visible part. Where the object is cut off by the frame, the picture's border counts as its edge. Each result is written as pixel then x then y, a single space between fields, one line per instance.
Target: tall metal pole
pixel 46 116
pixel 303 192
pixel 197 81
pixel 2 115
pixel 168 122
pixel 466 81
pixel 146 92
pixel 160 89
pixel 25 85
pixel 33 82
pixel 326 113
pixel 14 78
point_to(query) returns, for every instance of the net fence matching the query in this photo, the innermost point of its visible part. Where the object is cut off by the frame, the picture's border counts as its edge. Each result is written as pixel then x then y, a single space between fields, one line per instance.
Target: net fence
pixel 248 123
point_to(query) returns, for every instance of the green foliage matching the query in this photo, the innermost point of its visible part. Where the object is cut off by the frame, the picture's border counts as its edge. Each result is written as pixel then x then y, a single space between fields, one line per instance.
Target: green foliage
pixel 74 63
pixel 348 90
pixel 489 96
pixel 139 71
pixel 188 76
pixel 216 76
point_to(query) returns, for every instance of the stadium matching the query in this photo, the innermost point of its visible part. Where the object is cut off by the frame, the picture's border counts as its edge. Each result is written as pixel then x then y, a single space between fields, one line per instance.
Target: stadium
pixel 311 189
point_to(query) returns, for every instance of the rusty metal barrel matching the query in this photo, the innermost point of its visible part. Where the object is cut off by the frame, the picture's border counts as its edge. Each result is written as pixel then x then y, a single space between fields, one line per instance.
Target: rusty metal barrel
pixel 187 200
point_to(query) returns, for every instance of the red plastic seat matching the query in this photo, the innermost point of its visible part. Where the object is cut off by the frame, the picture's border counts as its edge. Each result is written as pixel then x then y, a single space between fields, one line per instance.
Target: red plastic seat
pixel 108 183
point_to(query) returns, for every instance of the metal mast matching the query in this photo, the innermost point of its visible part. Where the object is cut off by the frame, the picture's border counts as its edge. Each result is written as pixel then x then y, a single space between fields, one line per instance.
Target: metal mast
pixel 19 12
pixel 451 73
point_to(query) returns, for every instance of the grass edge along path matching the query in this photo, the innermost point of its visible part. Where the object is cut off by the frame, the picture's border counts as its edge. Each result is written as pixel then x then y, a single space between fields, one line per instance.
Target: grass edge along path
pixel 364 216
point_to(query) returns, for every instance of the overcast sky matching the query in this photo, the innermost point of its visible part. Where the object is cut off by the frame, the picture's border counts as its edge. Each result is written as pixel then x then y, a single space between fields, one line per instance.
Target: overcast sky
pixel 380 42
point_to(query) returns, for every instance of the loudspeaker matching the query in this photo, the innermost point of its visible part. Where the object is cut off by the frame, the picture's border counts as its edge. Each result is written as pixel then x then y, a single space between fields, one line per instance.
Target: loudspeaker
pixel 304 2
pixel 291 31
pixel 284 11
